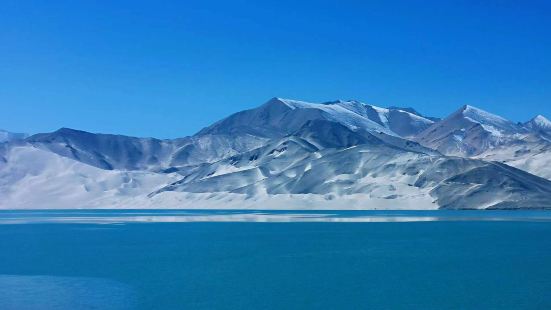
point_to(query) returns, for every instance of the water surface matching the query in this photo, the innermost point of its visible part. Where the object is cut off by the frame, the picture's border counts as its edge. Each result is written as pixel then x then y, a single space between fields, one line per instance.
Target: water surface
pixel 170 259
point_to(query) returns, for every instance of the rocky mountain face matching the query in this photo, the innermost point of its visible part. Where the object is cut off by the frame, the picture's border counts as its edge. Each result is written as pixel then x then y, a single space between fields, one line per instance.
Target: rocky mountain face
pixel 474 133
pixel 291 154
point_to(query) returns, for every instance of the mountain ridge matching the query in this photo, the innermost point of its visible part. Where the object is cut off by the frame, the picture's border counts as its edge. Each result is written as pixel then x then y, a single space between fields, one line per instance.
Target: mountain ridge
pixel 7 136
pixel 335 154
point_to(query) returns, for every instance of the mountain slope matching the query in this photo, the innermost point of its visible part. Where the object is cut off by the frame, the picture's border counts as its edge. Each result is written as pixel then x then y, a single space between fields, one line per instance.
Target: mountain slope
pixel 469 132
pixel 6 136
pixel 531 154
pixel 382 174
pixel 540 125
pixel 279 117
pixel 104 151
pixel 474 133
pixel 403 122
pixel 238 133
pixel 34 178
pixel 110 152
pixel 380 177
pixel 291 154
pixel 413 111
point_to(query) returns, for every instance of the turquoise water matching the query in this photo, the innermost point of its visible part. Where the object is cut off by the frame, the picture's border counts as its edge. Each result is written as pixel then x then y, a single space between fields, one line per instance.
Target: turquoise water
pixel 275 260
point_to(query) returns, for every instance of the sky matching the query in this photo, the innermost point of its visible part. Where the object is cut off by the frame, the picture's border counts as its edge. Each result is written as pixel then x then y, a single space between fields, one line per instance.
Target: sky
pixel 167 69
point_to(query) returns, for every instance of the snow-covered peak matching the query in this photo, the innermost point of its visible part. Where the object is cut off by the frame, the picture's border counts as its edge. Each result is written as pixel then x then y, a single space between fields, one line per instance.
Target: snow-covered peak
pixel 470 131
pixel 485 118
pixel 539 122
pixel 414 112
pixel 381 115
pixel 468 115
pixel 293 104
pixel 406 109
pixel 279 116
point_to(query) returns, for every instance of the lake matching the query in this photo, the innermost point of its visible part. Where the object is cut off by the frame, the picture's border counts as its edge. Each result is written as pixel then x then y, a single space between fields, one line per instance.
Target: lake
pixel 169 259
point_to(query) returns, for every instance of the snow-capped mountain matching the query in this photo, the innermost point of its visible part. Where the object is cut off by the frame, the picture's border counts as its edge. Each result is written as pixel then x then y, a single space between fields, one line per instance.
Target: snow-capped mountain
pixel 291 154
pixel 532 155
pixel 413 111
pixel 472 132
pixel 279 117
pixel 109 152
pixel 6 136
pixel 539 124
pixel 103 150
pixel 376 173
pixel 469 132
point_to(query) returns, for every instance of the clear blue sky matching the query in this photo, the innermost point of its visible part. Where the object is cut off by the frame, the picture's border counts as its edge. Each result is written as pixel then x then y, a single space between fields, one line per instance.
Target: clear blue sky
pixel 168 68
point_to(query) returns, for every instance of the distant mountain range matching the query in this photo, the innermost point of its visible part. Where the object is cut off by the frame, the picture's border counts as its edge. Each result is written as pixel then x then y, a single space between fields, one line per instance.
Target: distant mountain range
pixel 290 154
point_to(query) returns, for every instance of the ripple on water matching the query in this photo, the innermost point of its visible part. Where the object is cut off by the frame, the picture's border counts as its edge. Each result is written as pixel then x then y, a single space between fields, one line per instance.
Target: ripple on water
pixel 52 292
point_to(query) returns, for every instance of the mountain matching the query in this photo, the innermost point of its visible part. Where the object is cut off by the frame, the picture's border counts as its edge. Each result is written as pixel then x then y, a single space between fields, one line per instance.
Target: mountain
pixel 6 136
pixel 413 111
pixel 532 153
pixel 107 151
pixel 300 168
pixel 539 124
pixel 469 132
pixel 475 133
pixel 32 178
pixel 291 154
pixel 402 122
pixel 279 117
